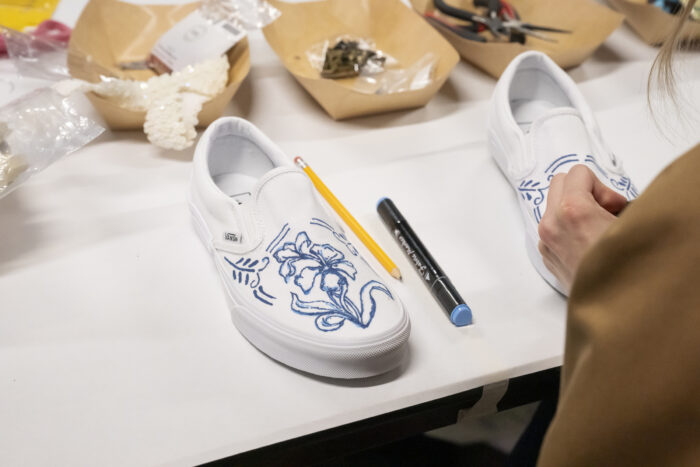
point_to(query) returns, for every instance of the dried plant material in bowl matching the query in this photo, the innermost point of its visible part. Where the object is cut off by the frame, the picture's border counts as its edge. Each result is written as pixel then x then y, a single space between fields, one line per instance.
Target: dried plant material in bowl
pixel 652 23
pixel 109 33
pixel 589 22
pixel 393 27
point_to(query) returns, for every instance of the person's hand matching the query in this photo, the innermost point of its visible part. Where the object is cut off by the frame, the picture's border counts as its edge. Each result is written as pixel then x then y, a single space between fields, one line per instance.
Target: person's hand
pixel 579 209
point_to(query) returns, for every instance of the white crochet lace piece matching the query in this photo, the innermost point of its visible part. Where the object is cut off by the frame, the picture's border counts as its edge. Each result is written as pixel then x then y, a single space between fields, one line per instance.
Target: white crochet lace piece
pixel 171 101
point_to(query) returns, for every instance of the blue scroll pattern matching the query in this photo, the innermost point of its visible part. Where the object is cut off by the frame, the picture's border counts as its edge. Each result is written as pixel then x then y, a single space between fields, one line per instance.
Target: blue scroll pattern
pixel 247 272
pixel 625 186
pixel 534 191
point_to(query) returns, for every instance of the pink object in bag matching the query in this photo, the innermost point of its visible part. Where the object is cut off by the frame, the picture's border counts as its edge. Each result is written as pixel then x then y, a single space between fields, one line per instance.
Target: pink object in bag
pixel 48 29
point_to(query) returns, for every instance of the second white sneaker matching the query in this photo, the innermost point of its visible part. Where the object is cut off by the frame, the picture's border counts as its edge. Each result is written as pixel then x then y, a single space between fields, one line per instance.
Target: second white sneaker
pixel 540 125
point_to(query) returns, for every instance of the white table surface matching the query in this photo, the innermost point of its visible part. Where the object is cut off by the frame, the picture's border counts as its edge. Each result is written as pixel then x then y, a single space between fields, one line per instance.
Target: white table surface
pixel 116 344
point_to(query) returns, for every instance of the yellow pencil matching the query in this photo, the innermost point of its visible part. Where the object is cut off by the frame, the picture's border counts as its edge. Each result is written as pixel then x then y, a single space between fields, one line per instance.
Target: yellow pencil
pixel 349 220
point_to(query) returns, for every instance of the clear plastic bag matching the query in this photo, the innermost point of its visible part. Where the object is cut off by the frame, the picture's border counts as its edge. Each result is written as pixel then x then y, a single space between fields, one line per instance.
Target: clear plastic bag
pixel 243 14
pixel 416 76
pixel 35 131
pixel 36 57
pixel 375 71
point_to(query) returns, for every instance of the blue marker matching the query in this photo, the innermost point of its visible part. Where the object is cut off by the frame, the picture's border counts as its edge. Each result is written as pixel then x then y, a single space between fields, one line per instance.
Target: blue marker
pixel 440 286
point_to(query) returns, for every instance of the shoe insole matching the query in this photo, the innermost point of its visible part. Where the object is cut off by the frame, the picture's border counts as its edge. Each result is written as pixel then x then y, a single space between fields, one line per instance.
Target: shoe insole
pixel 533 93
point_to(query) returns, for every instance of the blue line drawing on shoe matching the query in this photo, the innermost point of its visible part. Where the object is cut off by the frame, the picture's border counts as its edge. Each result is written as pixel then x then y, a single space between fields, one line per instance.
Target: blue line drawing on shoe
pixel 590 159
pixel 338 235
pixel 314 265
pixel 280 236
pixel 625 185
pixel 248 270
pixel 533 193
pixel 255 294
pixel 331 315
pixel 560 161
pixel 306 261
pixel 622 184
pixel 267 295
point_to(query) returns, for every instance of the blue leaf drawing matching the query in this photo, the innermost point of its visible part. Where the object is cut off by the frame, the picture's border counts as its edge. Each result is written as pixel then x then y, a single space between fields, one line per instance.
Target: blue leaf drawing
pixel 316 307
pixel 369 304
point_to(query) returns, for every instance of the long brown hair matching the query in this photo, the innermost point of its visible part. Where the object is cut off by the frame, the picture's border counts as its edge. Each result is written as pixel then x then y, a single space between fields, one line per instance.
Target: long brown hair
pixel 662 74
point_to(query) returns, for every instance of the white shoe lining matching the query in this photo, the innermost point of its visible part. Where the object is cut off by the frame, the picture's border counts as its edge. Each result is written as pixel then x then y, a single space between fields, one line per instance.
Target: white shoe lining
pixel 236 164
pixel 533 93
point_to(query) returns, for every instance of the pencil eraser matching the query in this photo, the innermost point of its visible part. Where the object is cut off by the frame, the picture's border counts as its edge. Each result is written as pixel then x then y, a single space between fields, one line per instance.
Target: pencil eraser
pixel 461 315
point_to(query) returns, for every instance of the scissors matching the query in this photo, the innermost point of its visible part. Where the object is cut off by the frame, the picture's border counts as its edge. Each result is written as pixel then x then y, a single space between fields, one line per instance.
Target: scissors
pixel 501 20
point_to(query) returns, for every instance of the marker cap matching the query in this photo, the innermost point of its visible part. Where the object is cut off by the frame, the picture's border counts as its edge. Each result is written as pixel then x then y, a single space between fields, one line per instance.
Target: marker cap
pixel 461 315
pixel 445 293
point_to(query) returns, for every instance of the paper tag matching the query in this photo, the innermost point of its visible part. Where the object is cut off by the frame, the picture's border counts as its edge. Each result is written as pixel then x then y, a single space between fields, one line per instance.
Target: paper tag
pixel 195 39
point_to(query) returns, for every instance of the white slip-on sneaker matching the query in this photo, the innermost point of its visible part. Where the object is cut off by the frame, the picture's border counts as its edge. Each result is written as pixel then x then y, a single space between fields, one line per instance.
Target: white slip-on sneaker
pixel 540 125
pixel 298 290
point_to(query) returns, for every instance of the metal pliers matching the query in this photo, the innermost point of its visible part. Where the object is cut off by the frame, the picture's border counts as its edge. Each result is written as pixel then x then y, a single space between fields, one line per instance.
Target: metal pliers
pixel 501 20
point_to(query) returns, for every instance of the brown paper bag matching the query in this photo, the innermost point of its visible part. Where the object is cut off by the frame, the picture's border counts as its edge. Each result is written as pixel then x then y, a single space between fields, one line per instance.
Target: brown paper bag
pixel 395 29
pixel 109 32
pixel 652 23
pixel 590 23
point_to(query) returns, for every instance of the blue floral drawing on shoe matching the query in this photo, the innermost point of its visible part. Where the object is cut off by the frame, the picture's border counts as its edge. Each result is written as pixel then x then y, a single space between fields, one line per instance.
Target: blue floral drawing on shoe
pixel 247 271
pixel 534 191
pixel 314 266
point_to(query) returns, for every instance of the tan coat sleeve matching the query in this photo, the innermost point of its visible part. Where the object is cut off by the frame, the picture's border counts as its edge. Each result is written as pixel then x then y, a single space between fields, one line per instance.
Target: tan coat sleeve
pixel 630 390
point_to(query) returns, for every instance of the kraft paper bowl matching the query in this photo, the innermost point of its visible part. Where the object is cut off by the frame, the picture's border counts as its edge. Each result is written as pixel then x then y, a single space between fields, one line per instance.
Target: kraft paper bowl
pixel 651 23
pixel 109 32
pixel 396 30
pixel 590 23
